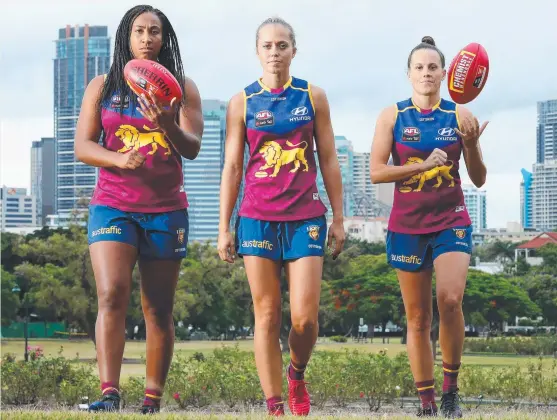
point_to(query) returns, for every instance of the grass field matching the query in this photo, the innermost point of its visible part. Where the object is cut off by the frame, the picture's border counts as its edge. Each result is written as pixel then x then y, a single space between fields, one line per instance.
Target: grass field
pixel 66 415
pixel 135 350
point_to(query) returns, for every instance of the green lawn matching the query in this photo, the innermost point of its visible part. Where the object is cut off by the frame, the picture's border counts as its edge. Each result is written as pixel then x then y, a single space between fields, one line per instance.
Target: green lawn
pixel 66 415
pixel 135 350
pixel 85 349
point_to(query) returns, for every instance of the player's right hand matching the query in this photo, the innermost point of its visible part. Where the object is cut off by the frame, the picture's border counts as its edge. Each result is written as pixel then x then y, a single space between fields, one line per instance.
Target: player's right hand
pixel 225 246
pixel 437 158
pixel 130 160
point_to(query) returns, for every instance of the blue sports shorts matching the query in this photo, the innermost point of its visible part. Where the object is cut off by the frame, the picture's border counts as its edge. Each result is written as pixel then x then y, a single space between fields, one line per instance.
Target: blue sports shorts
pixel 159 236
pixel 281 241
pixel 415 252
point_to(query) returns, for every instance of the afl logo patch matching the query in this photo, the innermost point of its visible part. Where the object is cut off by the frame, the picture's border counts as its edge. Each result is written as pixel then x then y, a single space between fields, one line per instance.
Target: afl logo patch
pixel 411 134
pixel 264 118
pixel 480 77
pixel 313 232
pixel 116 99
pixel 460 233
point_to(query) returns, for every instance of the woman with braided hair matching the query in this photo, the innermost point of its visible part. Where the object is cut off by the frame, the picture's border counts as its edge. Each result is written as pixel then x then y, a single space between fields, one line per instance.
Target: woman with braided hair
pixel 138 211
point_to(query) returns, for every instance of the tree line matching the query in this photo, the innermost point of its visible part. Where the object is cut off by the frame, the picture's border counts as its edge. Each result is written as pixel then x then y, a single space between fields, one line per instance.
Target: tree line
pixel 52 268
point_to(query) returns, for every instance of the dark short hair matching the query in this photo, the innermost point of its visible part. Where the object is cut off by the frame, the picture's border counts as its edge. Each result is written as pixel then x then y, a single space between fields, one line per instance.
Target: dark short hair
pixel 427 44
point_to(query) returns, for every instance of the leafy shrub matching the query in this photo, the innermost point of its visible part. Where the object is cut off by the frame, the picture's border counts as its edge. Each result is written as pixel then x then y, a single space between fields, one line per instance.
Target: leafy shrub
pixel 528 346
pixel 189 382
pixel 132 391
pixel 52 379
pixel 35 352
pixel 338 339
pixel 228 376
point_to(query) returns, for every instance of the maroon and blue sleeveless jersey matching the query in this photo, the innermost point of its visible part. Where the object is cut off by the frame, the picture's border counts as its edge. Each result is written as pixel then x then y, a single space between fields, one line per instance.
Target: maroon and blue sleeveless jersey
pixel 155 187
pixel 432 200
pixel 280 176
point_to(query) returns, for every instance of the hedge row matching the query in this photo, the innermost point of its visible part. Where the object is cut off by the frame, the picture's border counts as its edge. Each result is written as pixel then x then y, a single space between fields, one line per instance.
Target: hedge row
pixel 228 376
pixel 529 346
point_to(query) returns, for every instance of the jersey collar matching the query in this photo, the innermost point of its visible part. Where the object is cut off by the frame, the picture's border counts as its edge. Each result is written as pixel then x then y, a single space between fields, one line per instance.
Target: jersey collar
pixel 420 110
pixel 279 90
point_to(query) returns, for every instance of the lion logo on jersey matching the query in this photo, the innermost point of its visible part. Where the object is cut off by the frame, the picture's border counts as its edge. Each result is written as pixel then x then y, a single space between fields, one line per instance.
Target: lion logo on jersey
pixel 133 139
pixel 276 157
pixel 438 172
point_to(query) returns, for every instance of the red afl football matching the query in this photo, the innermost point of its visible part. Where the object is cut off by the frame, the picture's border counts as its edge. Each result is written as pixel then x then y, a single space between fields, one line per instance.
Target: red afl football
pixel 467 73
pixel 144 76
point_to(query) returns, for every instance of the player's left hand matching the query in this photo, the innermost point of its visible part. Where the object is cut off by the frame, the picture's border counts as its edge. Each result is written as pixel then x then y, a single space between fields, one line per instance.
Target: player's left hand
pixel 471 131
pixel 151 109
pixel 336 234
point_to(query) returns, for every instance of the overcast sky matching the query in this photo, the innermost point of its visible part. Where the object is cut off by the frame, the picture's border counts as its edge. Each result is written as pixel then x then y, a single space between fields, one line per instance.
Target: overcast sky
pixel 356 50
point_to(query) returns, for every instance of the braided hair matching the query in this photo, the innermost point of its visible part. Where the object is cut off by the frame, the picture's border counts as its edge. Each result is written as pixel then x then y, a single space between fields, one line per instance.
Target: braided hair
pixel 169 55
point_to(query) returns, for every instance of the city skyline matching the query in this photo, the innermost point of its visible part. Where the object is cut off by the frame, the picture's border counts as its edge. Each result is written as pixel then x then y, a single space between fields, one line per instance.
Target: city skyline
pixel 538 188
pixel 82 53
pixel 476 205
pixel 357 84
pixel 202 176
pixel 17 208
pixel 43 176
